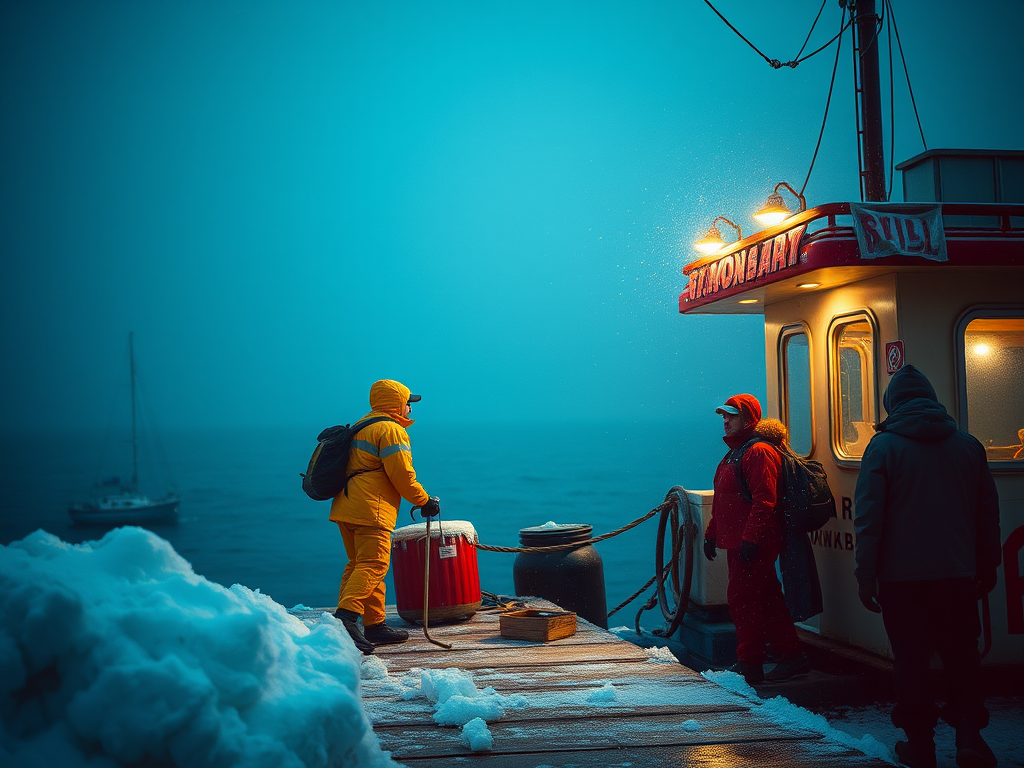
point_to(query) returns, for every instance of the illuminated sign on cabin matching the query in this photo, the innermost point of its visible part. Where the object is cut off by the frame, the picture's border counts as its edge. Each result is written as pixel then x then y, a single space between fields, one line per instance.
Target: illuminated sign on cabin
pixel 752 265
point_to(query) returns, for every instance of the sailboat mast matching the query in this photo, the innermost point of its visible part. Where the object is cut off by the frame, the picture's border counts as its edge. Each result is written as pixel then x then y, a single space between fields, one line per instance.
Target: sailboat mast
pixel 135 441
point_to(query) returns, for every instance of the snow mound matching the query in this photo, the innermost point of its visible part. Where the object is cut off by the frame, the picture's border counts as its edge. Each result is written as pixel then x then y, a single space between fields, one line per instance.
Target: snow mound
pixel 117 652
pixel 782 711
pixel 477 736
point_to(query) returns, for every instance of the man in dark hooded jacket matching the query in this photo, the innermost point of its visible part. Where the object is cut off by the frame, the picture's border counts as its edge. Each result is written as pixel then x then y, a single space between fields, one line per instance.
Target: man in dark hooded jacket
pixel 927 521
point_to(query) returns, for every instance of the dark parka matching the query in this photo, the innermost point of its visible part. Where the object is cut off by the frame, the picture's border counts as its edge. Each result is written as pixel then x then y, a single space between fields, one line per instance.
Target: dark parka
pixel 926 505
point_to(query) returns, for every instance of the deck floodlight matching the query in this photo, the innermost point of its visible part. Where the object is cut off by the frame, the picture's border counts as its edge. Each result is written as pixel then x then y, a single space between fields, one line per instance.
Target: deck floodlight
pixel 712 241
pixel 775 211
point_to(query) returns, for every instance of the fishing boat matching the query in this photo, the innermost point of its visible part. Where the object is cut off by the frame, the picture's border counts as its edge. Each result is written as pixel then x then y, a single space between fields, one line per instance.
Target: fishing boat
pixel 127 506
pixel 850 292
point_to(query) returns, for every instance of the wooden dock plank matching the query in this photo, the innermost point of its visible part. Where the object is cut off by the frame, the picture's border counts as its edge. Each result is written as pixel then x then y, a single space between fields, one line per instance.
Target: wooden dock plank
pixel 557 677
pixel 508 658
pixel 554 718
pixel 575 734
pixel 734 755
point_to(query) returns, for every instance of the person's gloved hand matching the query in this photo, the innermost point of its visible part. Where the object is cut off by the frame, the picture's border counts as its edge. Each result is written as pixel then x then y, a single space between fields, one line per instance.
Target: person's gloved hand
pixel 984 583
pixel 710 550
pixel 748 551
pixel 867 591
pixel 432 508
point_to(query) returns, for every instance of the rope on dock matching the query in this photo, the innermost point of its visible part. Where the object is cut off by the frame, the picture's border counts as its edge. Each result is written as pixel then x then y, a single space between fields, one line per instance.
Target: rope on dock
pixel 576 544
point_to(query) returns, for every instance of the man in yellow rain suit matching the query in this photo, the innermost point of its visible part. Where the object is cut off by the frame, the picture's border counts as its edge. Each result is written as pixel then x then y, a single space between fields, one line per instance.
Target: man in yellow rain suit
pixel 380 475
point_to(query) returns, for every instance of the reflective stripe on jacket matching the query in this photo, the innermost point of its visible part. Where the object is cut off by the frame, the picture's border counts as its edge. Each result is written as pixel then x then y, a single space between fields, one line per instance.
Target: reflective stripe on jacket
pixel 373 496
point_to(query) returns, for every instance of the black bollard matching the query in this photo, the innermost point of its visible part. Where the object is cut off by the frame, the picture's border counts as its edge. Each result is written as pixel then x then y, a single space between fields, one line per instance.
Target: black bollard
pixel 571 578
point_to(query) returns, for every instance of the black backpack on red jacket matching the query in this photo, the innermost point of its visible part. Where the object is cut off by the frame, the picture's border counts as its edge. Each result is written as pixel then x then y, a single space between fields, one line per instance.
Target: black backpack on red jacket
pixel 804 495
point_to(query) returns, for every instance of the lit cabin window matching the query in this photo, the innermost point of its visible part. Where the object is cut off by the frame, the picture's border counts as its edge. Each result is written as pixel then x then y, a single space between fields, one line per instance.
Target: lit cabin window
pixel 853 375
pixel 796 384
pixel 994 362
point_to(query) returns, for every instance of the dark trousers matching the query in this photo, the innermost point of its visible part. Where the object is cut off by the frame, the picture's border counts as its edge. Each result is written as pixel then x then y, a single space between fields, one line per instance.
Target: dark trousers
pixel 922 617
pixel 758 608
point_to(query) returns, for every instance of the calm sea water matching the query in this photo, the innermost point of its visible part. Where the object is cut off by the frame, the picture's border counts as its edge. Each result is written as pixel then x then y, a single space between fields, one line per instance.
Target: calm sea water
pixel 244 518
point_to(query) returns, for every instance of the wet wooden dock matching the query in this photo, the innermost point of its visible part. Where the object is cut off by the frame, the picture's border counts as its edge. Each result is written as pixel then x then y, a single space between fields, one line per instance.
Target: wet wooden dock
pixel 661 714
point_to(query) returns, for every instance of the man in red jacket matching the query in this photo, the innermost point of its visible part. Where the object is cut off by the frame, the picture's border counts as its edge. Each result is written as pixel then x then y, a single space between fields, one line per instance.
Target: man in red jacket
pixel 747 525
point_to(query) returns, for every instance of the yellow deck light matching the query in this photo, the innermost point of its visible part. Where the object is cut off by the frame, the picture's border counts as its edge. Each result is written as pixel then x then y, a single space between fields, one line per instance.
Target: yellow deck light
pixel 808 285
pixel 775 210
pixel 712 241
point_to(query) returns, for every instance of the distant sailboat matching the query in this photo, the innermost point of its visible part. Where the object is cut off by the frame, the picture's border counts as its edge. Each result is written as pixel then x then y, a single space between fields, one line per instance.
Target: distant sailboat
pixel 128 506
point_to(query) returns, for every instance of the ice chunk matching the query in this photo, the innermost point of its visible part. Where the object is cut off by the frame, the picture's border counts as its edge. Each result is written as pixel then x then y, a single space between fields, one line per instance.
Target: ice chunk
pixel 459 710
pixel 477 736
pixel 602 695
pixel 660 656
pixel 439 685
pixel 691 725
pixel 373 668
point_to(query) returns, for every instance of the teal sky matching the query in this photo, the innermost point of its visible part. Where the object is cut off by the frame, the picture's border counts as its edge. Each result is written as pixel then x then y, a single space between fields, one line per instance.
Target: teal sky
pixel 491 202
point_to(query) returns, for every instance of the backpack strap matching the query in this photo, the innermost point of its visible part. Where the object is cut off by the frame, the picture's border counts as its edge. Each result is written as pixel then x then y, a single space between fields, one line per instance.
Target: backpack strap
pixel 734 457
pixel 356 429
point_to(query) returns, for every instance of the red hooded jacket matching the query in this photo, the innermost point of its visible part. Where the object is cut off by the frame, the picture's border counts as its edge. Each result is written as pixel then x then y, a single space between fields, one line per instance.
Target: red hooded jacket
pixel 733 519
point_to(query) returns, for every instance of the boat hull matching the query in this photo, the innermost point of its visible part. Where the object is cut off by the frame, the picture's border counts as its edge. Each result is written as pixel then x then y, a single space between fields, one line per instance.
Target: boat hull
pixel 165 511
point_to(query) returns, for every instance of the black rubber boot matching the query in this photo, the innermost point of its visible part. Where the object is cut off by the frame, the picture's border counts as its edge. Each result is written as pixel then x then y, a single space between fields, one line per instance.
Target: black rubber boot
pixel 752 673
pixel 382 634
pixel 789 666
pixel 350 620
pixel 972 751
pixel 918 751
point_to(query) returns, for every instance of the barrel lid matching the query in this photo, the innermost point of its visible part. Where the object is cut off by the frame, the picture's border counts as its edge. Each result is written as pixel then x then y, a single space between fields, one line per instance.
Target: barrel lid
pixel 555 533
pixel 449 528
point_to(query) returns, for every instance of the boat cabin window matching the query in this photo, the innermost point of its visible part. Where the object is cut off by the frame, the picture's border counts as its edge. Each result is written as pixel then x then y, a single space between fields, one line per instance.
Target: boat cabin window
pixel 852 370
pixel 992 361
pixel 796 389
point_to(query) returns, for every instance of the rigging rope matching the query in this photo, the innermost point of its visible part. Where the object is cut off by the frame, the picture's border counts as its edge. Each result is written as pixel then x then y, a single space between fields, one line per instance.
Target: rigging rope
pixel 892 104
pixel 828 102
pixel 775 63
pixel 913 101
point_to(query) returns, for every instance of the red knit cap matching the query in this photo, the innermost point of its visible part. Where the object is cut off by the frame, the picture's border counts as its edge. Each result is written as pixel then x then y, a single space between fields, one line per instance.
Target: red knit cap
pixel 748 406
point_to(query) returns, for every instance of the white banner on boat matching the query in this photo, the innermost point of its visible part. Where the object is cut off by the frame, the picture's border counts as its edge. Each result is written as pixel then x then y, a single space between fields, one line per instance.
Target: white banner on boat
pixel 899 229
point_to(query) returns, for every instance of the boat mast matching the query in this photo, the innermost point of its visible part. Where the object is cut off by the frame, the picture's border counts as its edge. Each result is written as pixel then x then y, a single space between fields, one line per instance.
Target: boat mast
pixel 866 81
pixel 135 442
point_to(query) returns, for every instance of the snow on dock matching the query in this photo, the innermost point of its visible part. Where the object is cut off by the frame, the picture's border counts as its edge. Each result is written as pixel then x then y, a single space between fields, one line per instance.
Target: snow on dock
pixel 587 700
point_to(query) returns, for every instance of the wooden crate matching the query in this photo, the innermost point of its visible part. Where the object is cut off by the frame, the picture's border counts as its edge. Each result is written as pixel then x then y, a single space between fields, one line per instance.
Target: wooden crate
pixel 539 626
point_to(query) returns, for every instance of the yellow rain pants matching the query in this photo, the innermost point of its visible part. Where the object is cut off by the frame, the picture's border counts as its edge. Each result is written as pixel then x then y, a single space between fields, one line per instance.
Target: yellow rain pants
pixel 362 584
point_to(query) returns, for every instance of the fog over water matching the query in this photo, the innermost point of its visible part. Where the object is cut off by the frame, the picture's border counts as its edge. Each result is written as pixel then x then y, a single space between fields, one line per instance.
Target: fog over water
pixel 490 202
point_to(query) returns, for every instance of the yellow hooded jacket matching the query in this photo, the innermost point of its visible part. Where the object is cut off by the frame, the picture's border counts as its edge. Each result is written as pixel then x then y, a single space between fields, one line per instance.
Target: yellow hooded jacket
pixel 373 497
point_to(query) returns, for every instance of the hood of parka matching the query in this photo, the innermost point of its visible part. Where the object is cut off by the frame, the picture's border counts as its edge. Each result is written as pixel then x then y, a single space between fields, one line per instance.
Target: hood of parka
pixel 390 397
pixel 914 409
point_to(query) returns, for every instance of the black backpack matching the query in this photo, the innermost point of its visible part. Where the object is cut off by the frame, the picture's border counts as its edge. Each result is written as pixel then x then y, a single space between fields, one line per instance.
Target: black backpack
pixel 325 477
pixel 804 495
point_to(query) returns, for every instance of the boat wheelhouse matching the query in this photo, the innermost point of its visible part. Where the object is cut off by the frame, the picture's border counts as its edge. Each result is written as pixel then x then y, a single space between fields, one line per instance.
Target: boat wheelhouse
pixel 850 293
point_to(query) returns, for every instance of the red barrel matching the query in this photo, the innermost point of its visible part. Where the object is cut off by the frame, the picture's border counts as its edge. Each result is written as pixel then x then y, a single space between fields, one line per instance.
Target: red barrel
pixel 454 578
